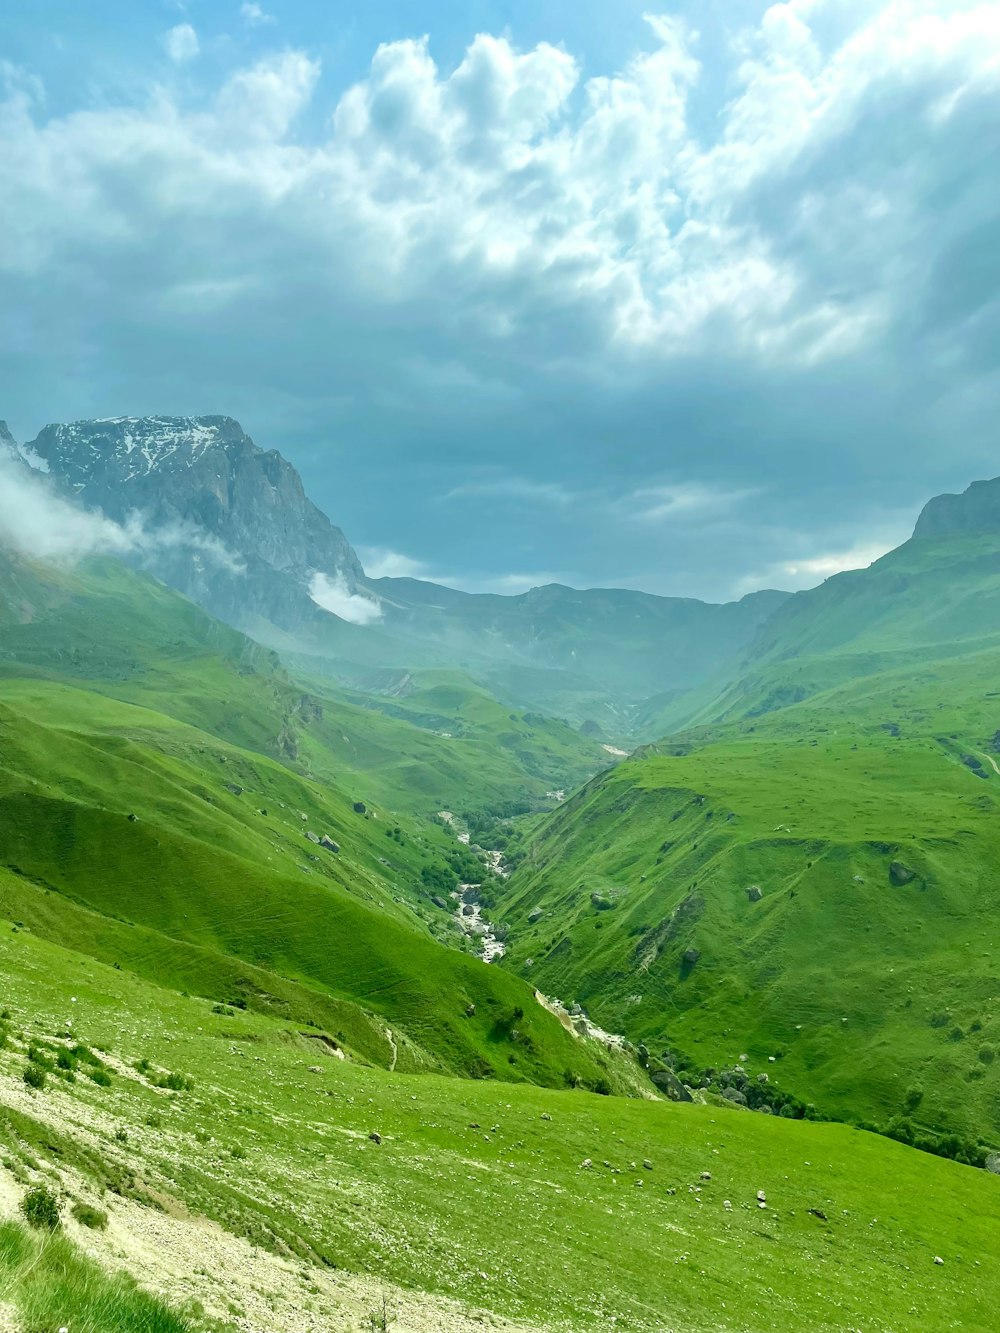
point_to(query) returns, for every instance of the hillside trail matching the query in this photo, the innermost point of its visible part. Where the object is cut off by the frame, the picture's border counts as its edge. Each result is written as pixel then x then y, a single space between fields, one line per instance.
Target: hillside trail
pixel 182 1257
pixel 990 760
pixel 394 1048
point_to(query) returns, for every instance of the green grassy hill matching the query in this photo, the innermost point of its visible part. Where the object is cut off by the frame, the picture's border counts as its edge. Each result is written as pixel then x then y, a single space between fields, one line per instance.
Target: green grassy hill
pixel 118 633
pixel 560 1210
pixel 185 843
pixel 862 976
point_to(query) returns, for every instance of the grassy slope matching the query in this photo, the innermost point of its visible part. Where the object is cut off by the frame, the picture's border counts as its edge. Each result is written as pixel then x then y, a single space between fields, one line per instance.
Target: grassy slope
pixel 438 741
pixel 112 631
pixel 48 1282
pixel 867 993
pixel 477 1190
pixel 218 893
pixel 201 867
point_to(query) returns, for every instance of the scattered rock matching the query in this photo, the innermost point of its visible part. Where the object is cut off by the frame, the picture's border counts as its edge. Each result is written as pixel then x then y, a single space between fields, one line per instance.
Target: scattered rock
pixel 647 1165
pixel 901 874
pixel 315 1069
pixel 546 1116
pixel 313 837
pixel 375 1138
pixel 706 1175
pixel 234 789
pixel 938 1259
pixel 761 1197
pixel 755 893
pixel 691 956
pixel 470 1011
pixel 586 1164
pixel 327 842
pixel 818 1212
pixel 534 915
pixel 667 1081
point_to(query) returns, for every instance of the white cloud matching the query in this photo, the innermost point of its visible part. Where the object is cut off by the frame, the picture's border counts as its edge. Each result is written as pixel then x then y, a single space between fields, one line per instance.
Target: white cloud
pixel 40 523
pixel 381 563
pixel 594 264
pixel 332 594
pixel 254 15
pixel 521 489
pixel 808 570
pixel 609 214
pixel 684 502
pixel 181 43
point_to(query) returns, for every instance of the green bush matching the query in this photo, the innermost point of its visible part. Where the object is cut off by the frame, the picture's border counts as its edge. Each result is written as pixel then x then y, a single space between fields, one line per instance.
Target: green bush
pixel 35 1076
pixel 90 1217
pixel 41 1209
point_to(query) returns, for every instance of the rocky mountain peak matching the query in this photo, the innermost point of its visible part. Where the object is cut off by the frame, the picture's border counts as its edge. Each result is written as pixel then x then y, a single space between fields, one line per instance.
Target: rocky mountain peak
pixel 204 473
pixel 977 509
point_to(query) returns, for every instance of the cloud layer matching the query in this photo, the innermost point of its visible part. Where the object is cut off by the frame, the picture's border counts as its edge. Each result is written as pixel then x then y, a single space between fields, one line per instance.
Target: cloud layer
pixel 38 522
pixel 741 300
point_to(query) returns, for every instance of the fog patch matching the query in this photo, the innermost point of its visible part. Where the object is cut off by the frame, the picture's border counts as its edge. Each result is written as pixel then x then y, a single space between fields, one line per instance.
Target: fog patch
pixel 330 591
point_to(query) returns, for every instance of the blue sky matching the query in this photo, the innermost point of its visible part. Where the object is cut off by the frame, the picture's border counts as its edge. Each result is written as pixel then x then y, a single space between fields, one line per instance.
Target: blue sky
pixel 691 298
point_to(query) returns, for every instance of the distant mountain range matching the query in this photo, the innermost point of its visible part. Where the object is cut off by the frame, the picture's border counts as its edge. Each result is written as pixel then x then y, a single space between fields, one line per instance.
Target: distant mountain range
pixel 616 662
pixel 285 574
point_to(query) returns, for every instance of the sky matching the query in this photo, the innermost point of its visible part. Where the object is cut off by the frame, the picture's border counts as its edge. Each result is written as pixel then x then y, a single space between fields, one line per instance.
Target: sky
pixel 695 298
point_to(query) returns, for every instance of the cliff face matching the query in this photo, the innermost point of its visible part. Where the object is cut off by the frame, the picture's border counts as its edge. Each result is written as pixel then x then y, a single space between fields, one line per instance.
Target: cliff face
pixel 261 539
pixel 977 509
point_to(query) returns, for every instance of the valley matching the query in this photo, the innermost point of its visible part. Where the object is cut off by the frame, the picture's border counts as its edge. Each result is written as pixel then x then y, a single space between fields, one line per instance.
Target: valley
pixel 339 978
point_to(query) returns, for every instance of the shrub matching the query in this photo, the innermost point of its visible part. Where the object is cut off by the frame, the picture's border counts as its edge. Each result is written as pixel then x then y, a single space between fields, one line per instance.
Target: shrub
pixel 35 1076
pixel 101 1077
pixel 174 1082
pixel 41 1209
pixel 380 1318
pixel 90 1217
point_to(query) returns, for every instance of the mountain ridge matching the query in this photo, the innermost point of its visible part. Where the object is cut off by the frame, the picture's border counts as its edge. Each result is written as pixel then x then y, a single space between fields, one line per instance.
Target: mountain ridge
pixel 283 573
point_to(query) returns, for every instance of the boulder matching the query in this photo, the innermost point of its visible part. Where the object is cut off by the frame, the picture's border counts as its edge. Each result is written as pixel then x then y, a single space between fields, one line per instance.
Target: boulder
pixel 755 893
pixel 313 837
pixel 668 1082
pixel 327 842
pixel 900 874
pixel 534 915
pixel 691 956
